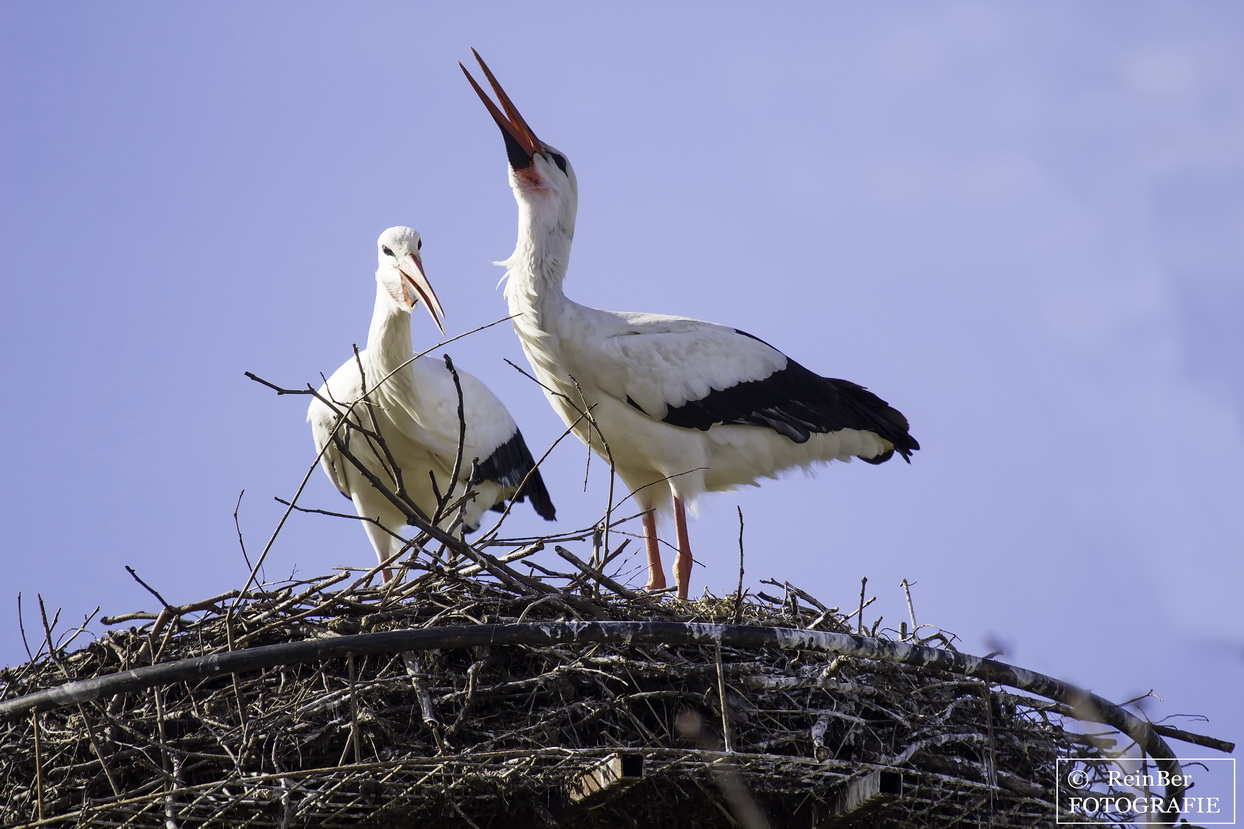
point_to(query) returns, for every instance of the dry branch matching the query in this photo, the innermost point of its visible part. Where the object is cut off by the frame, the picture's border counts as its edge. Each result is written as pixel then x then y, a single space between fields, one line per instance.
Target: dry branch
pixel 452 698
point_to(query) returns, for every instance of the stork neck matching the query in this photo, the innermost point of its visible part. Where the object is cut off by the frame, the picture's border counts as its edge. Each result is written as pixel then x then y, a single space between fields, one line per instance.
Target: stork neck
pixel 537 269
pixel 388 339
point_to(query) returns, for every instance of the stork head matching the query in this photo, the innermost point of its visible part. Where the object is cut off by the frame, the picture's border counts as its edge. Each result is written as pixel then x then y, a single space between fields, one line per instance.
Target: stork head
pixel 540 175
pixel 400 272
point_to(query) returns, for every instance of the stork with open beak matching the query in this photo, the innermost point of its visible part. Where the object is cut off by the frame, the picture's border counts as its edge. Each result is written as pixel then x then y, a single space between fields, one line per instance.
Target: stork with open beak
pixel 415 404
pixel 684 406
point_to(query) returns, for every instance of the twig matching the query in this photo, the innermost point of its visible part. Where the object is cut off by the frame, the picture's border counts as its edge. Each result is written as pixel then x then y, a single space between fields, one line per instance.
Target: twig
pixel 274 386
pixel 487 537
pixel 468 700
pixel 237 526
pixel 21 626
pixel 148 587
pixel 354 709
pixel 47 628
pixel 349 516
pixel 600 577
pixel 168 765
pixel 380 446
pixel 797 592
pixel 738 593
pixel 911 610
pixel 721 696
pixel 991 744
pixel 860 619
pixel 34 720
pixel 1224 746
pixel 458 453
pixel 428 713
pixel 180 610
pixel 281 523
pixel 99 751
pixel 584 412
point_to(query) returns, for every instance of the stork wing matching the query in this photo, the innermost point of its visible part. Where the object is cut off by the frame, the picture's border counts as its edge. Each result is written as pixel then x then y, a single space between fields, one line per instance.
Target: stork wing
pixel 658 363
pixel 343 388
pixel 434 414
pixel 698 374
pixel 492 436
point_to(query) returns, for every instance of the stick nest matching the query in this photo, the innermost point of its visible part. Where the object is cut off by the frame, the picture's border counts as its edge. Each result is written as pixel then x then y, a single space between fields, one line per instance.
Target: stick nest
pixel 516 735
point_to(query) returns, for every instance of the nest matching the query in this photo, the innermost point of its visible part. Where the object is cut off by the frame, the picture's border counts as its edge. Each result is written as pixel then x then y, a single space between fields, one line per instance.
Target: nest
pixel 472 695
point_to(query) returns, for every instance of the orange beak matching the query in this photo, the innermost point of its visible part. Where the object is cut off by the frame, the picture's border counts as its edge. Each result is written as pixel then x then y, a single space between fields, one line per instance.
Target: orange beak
pixel 521 143
pixel 419 285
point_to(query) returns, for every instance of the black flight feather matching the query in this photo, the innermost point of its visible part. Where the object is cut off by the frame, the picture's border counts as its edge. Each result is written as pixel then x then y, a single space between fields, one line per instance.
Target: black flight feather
pixel 508 465
pixel 797 403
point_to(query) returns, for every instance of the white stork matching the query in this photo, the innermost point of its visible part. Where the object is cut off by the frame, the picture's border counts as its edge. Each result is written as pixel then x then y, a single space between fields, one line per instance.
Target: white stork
pixel 684 406
pixel 415 405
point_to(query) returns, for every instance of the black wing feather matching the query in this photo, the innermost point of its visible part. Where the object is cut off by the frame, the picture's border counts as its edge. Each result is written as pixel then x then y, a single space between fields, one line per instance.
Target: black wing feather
pixel 509 464
pixel 797 403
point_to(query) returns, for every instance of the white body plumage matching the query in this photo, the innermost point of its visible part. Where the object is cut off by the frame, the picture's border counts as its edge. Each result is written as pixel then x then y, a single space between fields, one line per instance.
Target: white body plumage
pixel 631 369
pixel 415 406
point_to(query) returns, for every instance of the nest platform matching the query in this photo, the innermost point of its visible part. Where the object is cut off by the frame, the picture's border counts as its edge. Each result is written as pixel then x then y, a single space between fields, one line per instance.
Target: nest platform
pixel 474 696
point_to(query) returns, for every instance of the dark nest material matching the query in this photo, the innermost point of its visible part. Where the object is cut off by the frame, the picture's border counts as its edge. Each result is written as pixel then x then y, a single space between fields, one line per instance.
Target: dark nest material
pixel 473 695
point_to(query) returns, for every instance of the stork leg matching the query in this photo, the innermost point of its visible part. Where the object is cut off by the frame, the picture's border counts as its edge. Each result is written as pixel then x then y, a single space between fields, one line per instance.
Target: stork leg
pixel 656 573
pixel 682 563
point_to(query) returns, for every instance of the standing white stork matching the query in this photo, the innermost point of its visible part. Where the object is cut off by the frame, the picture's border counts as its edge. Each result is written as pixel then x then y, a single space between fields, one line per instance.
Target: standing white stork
pixel 415 406
pixel 684 406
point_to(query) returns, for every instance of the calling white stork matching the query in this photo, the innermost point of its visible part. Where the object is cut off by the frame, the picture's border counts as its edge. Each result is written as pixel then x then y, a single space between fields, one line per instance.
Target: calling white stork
pixel 683 406
pixel 415 406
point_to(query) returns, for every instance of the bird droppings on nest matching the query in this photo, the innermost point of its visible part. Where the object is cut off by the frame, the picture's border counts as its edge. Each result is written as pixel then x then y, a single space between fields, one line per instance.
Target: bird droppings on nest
pixel 628 732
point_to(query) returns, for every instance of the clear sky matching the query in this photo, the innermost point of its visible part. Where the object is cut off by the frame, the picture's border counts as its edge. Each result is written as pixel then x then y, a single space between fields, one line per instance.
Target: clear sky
pixel 1022 224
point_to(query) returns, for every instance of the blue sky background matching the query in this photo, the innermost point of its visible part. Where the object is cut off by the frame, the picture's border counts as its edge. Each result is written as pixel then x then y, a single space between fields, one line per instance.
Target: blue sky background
pixel 1022 224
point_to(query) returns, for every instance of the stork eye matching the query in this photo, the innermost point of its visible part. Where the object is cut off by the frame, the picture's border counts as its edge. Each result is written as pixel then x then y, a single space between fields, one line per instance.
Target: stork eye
pixel 419 246
pixel 385 249
pixel 559 160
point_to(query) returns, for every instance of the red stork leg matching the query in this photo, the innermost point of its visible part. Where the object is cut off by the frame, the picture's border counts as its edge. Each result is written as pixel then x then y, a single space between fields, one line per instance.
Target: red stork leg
pixel 656 573
pixel 682 564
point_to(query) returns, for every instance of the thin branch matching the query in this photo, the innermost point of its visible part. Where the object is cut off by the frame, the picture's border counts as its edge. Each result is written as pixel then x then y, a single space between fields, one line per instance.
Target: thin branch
pixel 238 526
pixel 911 609
pixel 600 577
pixel 863 587
pixel 21 626
pixel 456 472
pixel 275 387
pixel 48 627
pixel 34 720
pixel 738 593
pixel 487 537
pixel 277 530
pixel 389 463
pixel 148 587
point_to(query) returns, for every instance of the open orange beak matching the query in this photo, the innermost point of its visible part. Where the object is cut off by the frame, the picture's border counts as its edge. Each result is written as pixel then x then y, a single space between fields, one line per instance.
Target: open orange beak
pixel 521 143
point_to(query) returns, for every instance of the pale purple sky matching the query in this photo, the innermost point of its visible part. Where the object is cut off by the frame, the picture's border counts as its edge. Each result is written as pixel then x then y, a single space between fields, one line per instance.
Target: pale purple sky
pixel 1022 224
